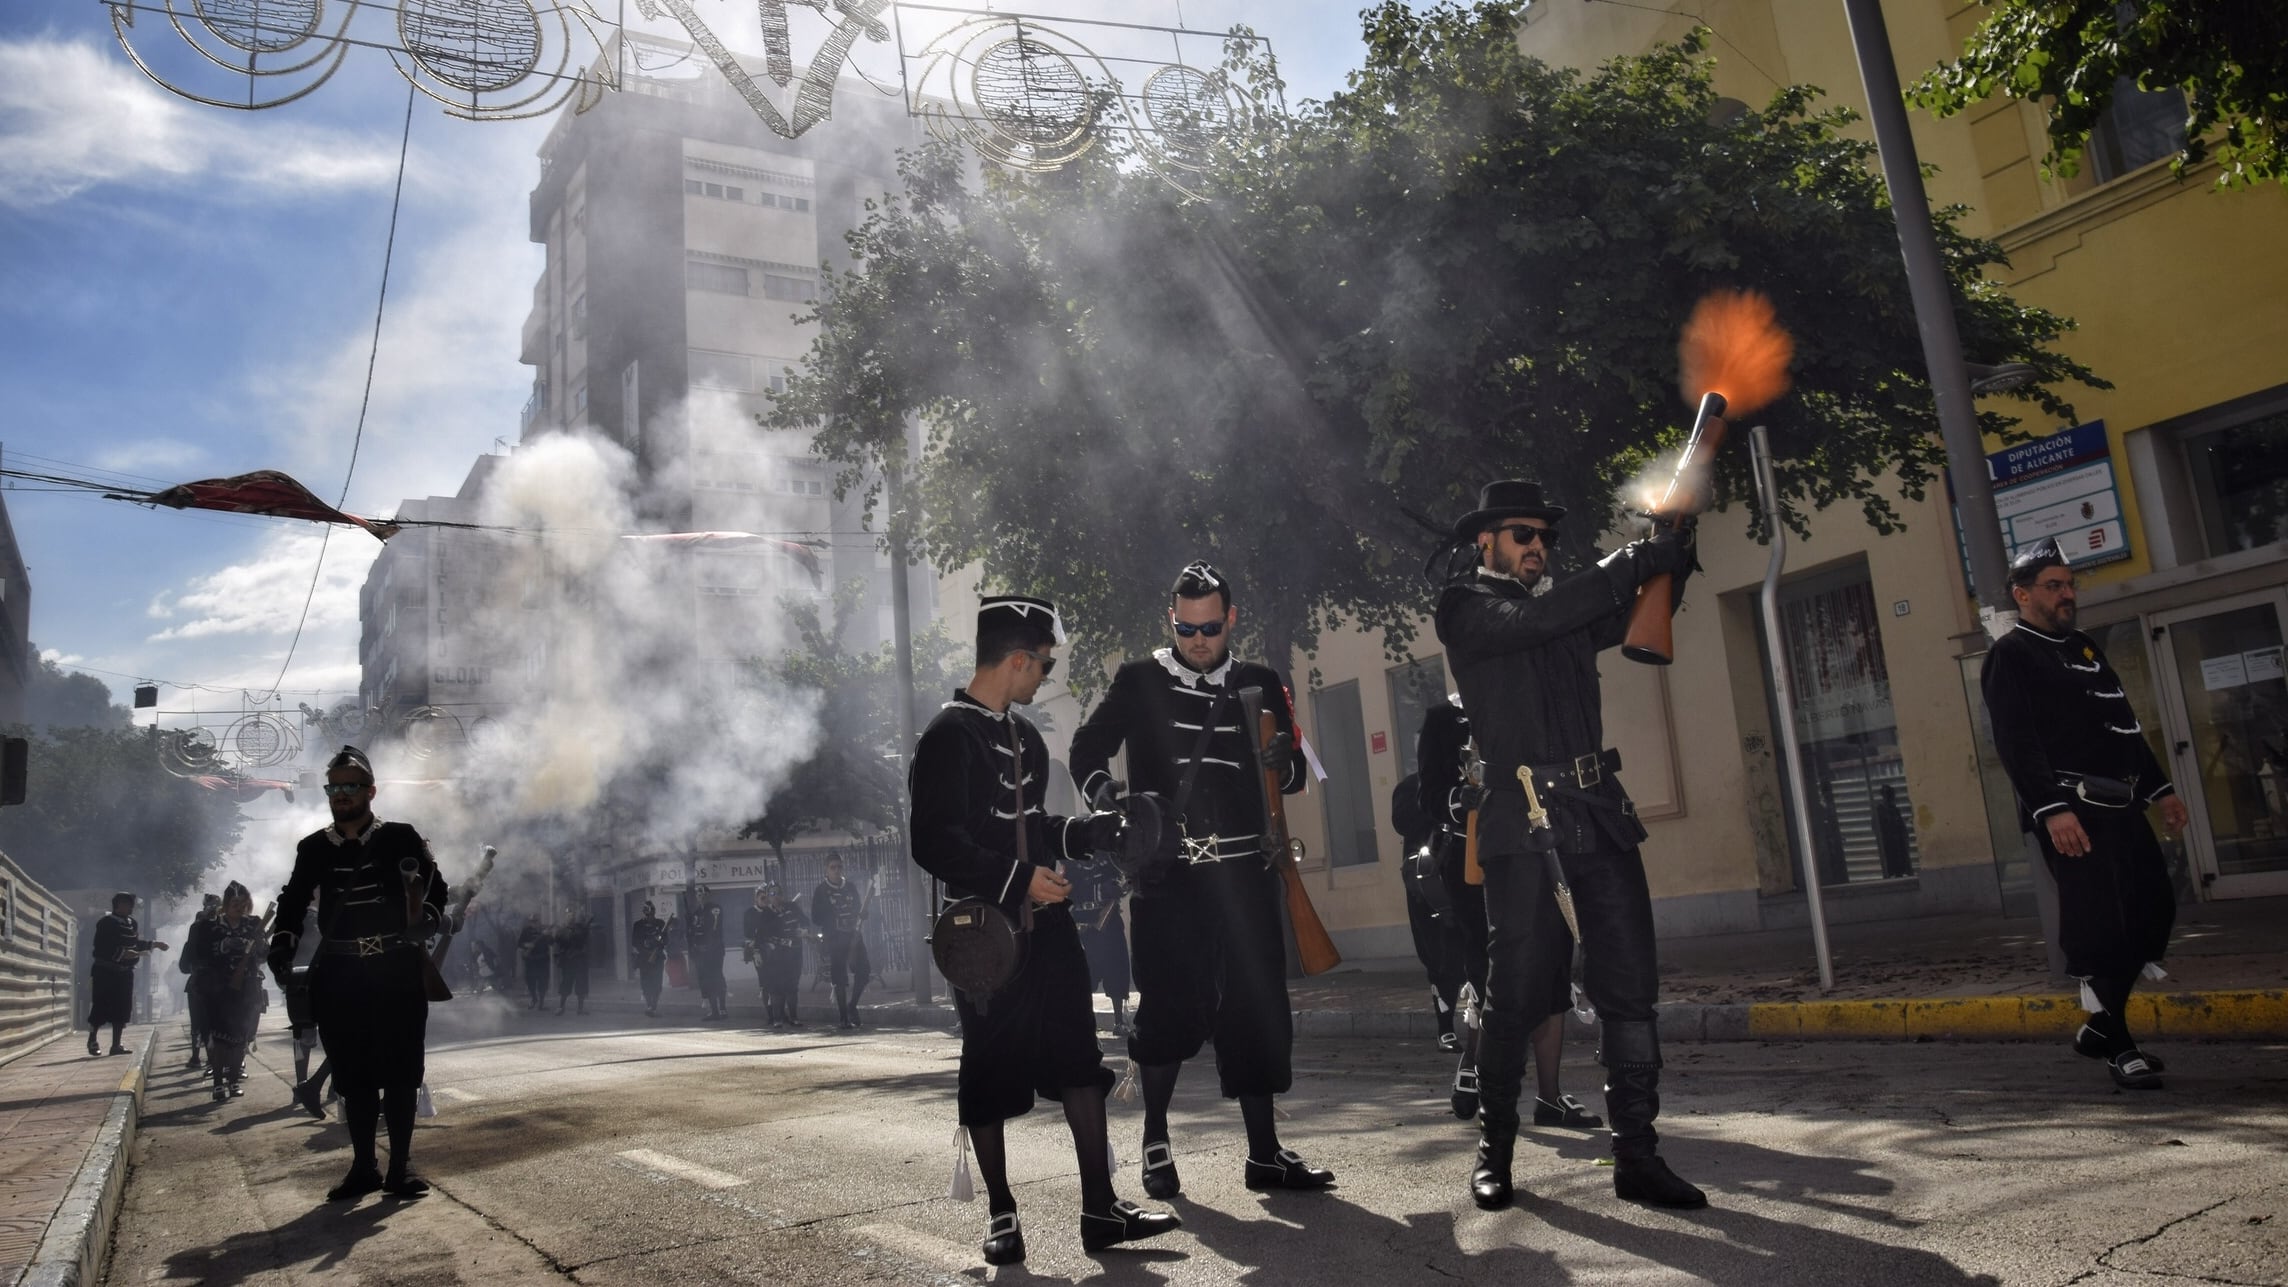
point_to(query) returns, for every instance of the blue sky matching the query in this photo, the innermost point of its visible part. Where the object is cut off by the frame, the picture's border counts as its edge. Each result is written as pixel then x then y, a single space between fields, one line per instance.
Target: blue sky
pixel 188 291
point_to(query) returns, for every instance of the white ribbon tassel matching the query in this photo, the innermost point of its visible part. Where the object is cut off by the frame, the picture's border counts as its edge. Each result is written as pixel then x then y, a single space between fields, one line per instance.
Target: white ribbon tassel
pixel 1111 1155
pixel 1467 1004
pixel 962 1189
pixel 1124 1091
pixel 423 1106
pixel 2154 971
pixel 1582 1008
pixel 2089 1000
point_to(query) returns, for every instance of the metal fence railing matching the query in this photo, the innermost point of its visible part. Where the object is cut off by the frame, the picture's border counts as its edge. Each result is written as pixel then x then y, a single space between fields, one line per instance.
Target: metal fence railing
pixel 38 948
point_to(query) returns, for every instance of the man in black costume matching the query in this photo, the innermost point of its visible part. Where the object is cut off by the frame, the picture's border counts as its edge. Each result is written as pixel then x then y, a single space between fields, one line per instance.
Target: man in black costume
pixel 117 946
pixel 1446 797
pixel 977 824
pixel 775 932
pixel 647 945
pixel 2084 775
pixel 235 1000
pixel 1430 915
pixel 379 897
pixel 1104 935
pixel 192 963
pixel 533 944
pixel 1209 942
pixel 1523 649
pixel 572 962
pixel 838 909
pixel 703 946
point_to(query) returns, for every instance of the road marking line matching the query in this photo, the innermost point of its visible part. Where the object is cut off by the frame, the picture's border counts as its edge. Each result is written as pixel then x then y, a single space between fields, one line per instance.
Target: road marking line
pixel 456 1094
pixel 703 1176
pixel 916 1245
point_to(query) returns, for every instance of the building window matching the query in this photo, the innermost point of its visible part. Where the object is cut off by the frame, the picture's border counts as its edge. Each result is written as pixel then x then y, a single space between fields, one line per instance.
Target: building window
pixel 778 383
pixel 2139 127
pixel 1349 797
pixel 1862 819
pixel 766 199
pixel 580 316
pixel 713 370
pixel 776 286
pixel 2240 476
pixel 802 203
pixel 580 401
pixel 721 279
pixel 734 194
pixel 1414 688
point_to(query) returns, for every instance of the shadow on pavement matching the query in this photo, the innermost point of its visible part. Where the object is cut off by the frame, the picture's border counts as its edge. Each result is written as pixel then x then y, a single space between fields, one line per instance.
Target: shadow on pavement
pixel 1728 1246
pixel 317 1240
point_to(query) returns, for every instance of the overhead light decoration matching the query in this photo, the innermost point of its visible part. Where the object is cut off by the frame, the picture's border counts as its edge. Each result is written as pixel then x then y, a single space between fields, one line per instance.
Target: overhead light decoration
pixel 483 60
pixel 1025 92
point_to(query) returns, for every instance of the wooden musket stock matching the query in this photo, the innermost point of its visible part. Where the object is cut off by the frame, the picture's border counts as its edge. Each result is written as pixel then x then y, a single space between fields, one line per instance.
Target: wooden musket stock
pixel 1313 947
pixel 1650 638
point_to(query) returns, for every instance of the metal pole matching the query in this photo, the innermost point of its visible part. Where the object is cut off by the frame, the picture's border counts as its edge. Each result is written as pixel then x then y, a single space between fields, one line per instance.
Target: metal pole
pixel 1933 296
pixel 902 627
pixel 1783 698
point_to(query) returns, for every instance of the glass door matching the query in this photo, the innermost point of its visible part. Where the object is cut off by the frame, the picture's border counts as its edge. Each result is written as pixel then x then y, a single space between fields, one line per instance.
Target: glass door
pixel 2228 754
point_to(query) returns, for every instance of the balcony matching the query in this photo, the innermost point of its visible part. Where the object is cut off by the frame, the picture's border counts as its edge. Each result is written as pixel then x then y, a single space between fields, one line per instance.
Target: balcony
pixel 535 406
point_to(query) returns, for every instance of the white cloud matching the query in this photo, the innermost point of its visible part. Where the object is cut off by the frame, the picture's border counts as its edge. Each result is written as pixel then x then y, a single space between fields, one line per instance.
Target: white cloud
pixel 58 657
pixel 263 595
pixel 149 457
pixel 73 115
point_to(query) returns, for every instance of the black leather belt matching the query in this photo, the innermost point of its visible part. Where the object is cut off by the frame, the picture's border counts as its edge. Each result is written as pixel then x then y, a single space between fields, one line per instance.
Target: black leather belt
pixel 369 945
pixel 1581 773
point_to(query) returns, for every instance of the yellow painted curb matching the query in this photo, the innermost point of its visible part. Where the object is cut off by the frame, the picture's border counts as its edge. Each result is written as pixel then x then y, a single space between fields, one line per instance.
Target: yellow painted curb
pixel 1982 1018
pixel 2226 1016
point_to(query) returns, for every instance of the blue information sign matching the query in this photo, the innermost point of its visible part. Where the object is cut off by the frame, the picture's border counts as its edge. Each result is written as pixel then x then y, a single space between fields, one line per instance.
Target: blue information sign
pixel 2061 486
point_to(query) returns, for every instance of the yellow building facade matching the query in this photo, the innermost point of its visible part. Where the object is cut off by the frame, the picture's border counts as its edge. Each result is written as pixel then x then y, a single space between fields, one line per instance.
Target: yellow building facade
pixel 2181 296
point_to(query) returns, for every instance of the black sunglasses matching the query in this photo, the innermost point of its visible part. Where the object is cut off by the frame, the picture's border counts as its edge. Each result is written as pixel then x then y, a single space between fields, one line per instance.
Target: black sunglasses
pixel 1527 534
pixel 347 788
pixel 1209 628
pixel 1048 664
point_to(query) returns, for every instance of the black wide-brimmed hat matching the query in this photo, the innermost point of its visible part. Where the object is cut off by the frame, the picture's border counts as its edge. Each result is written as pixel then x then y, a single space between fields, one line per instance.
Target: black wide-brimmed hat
pixel 1506 498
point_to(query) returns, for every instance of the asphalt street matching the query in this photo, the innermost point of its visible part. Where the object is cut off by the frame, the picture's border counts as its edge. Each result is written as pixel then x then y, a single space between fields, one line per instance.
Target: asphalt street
pixel 600 1152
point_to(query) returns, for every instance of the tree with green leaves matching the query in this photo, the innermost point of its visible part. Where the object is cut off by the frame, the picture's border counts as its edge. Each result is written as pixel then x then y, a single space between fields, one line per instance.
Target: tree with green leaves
pixel 99 811
pixel 1467 265
pixel 850 783
pixel 2077 57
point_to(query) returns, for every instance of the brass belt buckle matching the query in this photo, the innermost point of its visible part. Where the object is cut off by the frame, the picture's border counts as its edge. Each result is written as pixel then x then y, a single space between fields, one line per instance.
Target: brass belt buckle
pixel 370 945
pixel 1589 770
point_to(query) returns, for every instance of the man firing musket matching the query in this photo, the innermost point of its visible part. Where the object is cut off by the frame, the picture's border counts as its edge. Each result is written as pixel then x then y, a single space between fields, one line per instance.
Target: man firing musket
pixel 1523 649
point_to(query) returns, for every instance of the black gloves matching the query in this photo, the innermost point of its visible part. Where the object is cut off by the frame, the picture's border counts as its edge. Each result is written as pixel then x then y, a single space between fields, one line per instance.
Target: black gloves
pixel 1106 794
pixel 1469 799
pixel 281 957
pixel 1104 831
pixel 1669 552
pixel 1274 755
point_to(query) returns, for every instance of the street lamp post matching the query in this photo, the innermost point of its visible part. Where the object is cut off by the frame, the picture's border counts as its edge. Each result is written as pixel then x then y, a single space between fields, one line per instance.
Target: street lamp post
pixel 1933 296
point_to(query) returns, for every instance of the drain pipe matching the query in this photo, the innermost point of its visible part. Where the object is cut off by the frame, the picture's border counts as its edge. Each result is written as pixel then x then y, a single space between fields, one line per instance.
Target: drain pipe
pixel 1783 694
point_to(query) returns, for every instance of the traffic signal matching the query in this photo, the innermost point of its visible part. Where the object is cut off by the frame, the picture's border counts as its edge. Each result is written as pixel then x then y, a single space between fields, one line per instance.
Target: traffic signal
pixel 15 761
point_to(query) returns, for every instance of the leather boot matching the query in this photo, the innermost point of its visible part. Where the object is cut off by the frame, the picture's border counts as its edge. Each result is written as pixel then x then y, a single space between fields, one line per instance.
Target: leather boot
pixel 1501 1077
pixel 1648 1179
pixel 1489 1181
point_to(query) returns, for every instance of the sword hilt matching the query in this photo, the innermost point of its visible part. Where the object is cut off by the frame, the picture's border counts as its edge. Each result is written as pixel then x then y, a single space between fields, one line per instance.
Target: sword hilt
pixel 1535 816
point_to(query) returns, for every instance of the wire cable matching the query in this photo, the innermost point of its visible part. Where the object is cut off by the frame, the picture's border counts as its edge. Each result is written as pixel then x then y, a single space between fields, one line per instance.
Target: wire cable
pixel 365 399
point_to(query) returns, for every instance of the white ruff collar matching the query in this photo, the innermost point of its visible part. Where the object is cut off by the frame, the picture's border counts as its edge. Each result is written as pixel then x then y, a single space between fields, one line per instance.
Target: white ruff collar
pixel 964 701
pixel 334 833
pixel 1537 589
pixel 1175 666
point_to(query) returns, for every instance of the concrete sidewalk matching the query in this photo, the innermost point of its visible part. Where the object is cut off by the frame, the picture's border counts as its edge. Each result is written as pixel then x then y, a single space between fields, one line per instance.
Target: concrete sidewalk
pixel 65 1123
